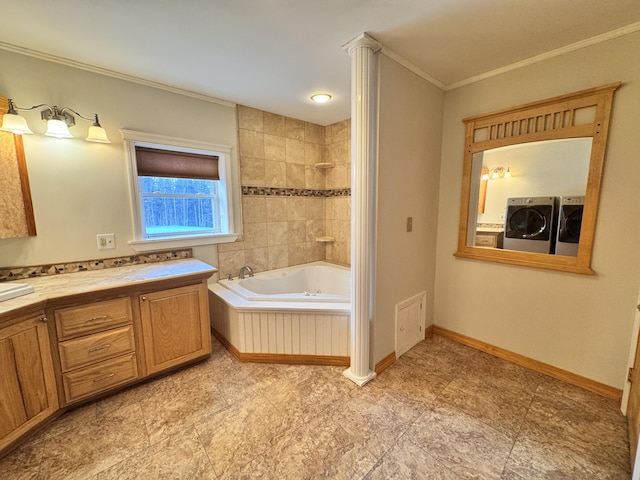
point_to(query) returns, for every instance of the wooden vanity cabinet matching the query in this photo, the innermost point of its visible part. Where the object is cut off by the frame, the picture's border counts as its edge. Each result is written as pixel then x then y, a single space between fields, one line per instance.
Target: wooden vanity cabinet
pixel 96 346
pixel 92 343
pixel 175 326
pixel 28 394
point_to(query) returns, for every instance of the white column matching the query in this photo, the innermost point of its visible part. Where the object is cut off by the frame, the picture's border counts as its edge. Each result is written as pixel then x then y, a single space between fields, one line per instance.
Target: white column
pixel 364 69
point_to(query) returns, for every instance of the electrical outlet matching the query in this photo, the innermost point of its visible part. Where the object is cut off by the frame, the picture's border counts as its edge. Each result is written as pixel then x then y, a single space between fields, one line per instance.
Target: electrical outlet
pixel 106 241
pixel 409 224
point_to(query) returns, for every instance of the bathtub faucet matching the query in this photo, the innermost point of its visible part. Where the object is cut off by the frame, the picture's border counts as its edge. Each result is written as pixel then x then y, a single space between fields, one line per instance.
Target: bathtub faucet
pixel 242 270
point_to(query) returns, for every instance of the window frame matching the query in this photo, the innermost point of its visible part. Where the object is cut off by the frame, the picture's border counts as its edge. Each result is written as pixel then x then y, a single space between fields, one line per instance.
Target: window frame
pixel 229 199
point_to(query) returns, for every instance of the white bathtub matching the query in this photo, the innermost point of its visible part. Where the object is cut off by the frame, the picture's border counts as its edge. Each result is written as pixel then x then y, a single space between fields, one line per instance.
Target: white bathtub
pixel 293 315
pixel 312 282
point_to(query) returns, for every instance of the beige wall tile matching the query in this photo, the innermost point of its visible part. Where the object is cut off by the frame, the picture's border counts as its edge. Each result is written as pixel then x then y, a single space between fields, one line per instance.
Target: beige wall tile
pixel 230 262
pixel 275 174
pixel 314 177
pixel 297 254
pixel 314 208
pixel 313 133
pixel 276 209
pixel 340 131
pixel 278 151
pixel 297 231
pixel 274 148
pixel 278 257
pixel 273 124
pixel 257 258
pixel 328 138
pixel 315 251
pixel 277 233
pixel 250 118
pixel 312 153
pixel 230 247
pixel 341 176
pixel 314 229
pixel 254 209
pixel 294 128
pixel 295 175
pixel 251 144
pixel 255 235
pixel 341 152
pixel 294 151
pixel 252 171
pixel 340 208
pixel 295 208
pixel 341 230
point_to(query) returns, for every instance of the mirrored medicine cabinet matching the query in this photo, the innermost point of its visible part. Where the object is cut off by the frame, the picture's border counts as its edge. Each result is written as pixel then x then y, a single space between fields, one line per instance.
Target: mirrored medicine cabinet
pixel 16 209
pixel 547 148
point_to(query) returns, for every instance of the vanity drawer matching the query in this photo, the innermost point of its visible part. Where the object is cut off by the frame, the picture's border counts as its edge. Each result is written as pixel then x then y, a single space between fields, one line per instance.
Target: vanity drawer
pixel 94 317
pixel 94 348
pixel 101 376
pixel 486 240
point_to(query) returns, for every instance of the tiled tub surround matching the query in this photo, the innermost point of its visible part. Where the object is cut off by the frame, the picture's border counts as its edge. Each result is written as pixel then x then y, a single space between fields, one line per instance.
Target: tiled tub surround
pixel 18 273
pixel 287 200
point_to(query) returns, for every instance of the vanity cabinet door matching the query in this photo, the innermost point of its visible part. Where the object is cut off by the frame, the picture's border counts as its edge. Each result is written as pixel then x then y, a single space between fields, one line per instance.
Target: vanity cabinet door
pixel 175 326
pixel 27 384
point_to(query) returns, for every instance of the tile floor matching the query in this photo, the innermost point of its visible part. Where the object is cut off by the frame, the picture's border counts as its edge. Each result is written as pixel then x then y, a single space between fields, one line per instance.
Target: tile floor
pixel 442 411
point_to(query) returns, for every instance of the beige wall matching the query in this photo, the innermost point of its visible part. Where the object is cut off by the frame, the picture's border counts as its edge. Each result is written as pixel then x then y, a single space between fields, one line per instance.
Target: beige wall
pixel 279 152
pixel 79 188
pixel 578 323
pixel 410 118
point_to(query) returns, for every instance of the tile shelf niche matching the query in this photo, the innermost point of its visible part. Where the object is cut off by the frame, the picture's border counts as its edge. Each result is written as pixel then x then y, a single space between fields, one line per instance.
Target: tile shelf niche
pixel 324 165
pixel 325 239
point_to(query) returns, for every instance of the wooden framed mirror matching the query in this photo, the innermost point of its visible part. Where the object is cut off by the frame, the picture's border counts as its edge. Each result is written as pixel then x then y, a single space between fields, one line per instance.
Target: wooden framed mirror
pixel 553 151
pixel 16 208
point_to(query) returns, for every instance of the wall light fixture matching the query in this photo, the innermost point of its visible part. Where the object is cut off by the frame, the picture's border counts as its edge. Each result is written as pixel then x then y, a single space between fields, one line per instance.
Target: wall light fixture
pixel 58 122
pixel 497 172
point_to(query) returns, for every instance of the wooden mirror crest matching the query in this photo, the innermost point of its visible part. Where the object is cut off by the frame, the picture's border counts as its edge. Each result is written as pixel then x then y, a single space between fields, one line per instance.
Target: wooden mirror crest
pixel 580 115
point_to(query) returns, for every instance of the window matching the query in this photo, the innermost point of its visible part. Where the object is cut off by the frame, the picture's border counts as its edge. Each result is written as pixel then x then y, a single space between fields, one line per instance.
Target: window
pixel 181 195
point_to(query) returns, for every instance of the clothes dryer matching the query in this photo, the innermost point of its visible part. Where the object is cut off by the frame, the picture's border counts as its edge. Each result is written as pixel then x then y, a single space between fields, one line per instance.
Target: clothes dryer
pixel 530 224
pixel 569 224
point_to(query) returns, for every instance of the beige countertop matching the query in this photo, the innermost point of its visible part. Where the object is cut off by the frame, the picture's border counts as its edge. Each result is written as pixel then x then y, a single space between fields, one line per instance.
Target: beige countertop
pixel 47 288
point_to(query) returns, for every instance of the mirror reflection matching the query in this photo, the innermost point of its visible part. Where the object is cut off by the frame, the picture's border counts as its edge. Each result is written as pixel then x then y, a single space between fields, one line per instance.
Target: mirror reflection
pixel 529 197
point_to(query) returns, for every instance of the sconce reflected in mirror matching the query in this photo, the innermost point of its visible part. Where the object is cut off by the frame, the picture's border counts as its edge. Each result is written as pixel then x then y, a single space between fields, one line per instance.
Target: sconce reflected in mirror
pixel 497 173
pixel 58 122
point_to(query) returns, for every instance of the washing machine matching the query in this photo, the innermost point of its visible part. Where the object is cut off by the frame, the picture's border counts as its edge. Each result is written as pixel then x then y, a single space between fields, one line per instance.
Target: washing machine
pixel 530 224
pixel 569 223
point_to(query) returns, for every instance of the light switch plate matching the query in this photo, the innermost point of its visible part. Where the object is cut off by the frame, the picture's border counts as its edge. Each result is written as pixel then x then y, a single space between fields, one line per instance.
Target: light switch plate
pixel 409 224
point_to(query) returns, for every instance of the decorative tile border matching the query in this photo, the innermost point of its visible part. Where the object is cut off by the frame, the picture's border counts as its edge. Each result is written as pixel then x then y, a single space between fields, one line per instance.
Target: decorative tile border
pixel 18 273
pixel 295 192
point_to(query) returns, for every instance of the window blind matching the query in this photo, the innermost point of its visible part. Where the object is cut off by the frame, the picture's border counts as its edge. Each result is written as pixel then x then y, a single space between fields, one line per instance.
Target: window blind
pixel 154 162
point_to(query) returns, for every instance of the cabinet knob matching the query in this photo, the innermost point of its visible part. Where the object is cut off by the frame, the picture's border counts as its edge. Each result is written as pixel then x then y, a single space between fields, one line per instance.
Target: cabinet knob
pixel 144 299
pixel 44 319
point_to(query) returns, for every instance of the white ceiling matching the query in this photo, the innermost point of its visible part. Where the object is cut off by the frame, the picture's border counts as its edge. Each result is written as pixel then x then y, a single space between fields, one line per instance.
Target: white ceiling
pixel 273 54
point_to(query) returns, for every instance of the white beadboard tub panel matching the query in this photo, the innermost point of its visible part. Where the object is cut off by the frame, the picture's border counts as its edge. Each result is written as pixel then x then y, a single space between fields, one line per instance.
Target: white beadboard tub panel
pixel 287 331
pixel 292 333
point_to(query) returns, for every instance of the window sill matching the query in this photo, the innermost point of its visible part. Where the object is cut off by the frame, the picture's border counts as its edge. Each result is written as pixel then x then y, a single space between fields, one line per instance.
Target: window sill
pixel 166 243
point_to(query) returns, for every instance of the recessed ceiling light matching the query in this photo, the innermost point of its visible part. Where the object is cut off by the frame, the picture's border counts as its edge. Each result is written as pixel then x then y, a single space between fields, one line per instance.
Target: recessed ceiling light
pixel 321 97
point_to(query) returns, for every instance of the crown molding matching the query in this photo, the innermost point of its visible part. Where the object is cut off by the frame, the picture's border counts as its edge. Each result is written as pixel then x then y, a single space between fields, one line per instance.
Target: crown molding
pixel 410 66
pixel 619 32
pixel 110 73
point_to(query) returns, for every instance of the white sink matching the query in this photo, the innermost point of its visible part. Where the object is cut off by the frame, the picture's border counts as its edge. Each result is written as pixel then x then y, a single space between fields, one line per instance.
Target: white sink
pixel 13 290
